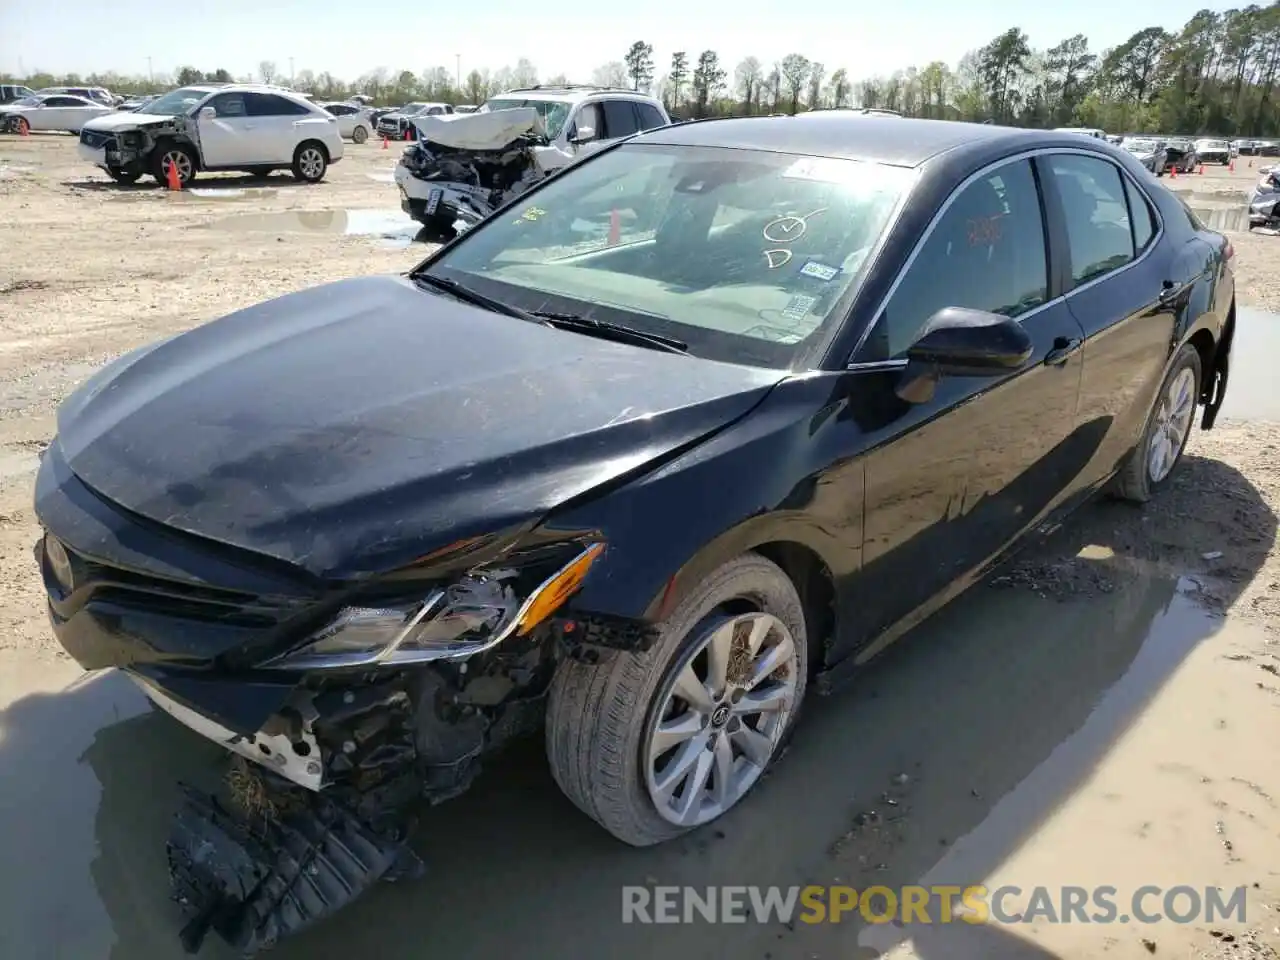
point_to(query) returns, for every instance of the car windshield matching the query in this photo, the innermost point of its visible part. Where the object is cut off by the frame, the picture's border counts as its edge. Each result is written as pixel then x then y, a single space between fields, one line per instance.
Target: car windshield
pixel 413 107
pixel 553 112
pixel 1139 146
pixel 175 101
pixel 746 256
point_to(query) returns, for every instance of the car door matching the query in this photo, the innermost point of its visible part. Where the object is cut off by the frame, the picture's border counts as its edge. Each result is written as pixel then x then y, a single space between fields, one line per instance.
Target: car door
pixel 1123 287
pixel 274 118
pixel 228 139
pixel 952 480
pixel 620 119
pixel 77 111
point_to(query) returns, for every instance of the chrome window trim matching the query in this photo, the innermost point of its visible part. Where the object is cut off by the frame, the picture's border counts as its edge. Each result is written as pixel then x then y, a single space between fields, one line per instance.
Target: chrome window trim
pixel 850 364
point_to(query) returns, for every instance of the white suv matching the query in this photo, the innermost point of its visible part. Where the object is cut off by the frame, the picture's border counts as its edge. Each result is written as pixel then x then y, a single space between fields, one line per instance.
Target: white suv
pixel 578 118
pixel 248 127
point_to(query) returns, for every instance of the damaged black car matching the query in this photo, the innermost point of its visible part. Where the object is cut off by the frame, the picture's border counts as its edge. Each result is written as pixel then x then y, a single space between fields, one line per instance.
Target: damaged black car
pixel 680 435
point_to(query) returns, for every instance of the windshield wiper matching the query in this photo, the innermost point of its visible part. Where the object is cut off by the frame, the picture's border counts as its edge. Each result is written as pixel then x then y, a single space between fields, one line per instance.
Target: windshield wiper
pixel 475 297
pixel 610 331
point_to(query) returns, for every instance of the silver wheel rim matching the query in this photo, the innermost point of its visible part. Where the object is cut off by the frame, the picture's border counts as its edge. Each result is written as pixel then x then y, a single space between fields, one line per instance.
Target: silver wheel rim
pixel 182 161
pixel 360 136
pixel 721 718
pixel 311 163
pixel 1172 423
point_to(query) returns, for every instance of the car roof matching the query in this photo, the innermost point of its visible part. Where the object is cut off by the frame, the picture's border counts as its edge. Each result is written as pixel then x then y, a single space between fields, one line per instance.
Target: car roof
pixel 572 92
pixel 896 141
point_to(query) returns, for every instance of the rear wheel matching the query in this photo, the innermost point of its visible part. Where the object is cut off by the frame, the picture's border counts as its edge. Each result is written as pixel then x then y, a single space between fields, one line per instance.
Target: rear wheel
pixel 23 126
pixel 653 744
pixel 310 161
pixel 1167 432
pixel 359 135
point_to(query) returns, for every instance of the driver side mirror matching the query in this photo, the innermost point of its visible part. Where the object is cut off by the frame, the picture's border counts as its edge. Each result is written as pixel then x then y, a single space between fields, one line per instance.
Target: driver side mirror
pixel 960 342
pixel 208 113
pixel 583 135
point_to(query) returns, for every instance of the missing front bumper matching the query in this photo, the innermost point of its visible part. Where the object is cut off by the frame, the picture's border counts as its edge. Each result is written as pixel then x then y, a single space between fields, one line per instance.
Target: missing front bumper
pixel 257 879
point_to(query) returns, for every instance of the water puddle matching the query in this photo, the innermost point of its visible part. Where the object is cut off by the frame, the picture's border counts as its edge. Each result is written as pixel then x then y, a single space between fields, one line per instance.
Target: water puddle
pixel 388 177
pixel 1001 695
pixel 1251 394
pixel 10 171
pixel 390 225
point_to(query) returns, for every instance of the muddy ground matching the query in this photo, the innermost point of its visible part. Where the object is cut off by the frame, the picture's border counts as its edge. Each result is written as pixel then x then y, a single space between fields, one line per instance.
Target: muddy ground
pixel 1102 712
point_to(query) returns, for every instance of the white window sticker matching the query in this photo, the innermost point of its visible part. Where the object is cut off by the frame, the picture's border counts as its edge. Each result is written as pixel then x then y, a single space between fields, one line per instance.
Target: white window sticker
pixel 823 169
pixel 798 307
pixel 819 271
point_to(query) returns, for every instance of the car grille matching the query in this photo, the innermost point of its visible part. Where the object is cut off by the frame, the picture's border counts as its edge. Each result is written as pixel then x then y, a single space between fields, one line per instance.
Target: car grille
pixel 74 580
pixel 95 138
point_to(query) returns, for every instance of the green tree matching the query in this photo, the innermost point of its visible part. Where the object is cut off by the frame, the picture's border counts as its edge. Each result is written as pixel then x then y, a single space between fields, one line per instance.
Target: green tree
pixel 639 61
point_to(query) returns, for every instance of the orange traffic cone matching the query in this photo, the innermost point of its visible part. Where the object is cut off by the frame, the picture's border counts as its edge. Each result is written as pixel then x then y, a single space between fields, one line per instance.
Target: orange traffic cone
pixel 1231 166
pixel 175 182
pixel 1173 172
pixel 24 128
pixel 384 143
pixel 1200 172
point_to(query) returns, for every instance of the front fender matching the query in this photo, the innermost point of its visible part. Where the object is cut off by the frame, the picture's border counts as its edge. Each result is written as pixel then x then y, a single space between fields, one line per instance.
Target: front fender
pixel 787 473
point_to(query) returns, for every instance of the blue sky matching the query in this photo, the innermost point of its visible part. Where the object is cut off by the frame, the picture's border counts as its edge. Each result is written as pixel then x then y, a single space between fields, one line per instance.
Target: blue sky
pixel 571 37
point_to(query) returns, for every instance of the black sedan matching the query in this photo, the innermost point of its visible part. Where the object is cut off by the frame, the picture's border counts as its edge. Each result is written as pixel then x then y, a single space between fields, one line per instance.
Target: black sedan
pixel 687 432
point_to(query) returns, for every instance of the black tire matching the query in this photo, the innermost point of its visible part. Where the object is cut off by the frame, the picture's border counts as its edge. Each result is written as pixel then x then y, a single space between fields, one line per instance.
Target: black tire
pixel 123 176
pixel 167 152
pixel 310 161
pixel 360 134
pixel 1134 482
pixel 599 714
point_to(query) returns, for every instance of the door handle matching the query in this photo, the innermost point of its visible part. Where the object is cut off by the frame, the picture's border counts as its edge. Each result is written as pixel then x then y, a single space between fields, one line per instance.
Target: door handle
pixel 1169 292
pixel 1063 350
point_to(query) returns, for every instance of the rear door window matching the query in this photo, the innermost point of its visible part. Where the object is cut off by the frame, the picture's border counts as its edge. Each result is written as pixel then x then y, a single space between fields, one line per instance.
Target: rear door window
pixel 1096 210
pixel 270 105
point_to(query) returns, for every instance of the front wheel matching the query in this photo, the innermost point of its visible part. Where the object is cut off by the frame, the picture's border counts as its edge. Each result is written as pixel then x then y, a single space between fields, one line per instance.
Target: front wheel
pixel 359 135
pixel 1167 431
pixel 310 161
pixel 177 156
pixel 653 744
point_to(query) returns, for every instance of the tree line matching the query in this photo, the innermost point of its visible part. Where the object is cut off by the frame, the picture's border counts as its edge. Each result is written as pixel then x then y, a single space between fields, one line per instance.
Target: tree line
pixel 1217 74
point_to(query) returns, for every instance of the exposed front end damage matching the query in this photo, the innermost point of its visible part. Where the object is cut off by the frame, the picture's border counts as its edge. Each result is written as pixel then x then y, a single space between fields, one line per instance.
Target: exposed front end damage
pixel 465 166
pixel 122 147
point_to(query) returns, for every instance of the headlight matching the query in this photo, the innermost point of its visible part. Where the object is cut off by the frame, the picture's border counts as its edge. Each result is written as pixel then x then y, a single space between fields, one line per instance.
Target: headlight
pixel 474 614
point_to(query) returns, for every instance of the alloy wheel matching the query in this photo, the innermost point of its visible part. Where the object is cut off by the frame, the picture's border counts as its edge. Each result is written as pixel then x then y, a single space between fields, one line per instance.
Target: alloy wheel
pixel 721 718
pixel 311 163
pixel 1172 423
pixel 181 160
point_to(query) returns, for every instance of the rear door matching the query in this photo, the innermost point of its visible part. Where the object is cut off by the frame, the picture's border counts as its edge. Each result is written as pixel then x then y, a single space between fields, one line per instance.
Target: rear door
pixel 1123 286
pixel 958 477
pixel 620 119
pixel 278 125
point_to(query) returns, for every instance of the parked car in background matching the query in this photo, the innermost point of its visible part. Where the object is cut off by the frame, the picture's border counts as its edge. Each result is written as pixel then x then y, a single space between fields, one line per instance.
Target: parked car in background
pixel 895 349
pixel 465 107
pixel 467 166
pixel 398 125
pixel 10 92
pixel 1084 131
pixel 133 103
pixel 353 119
pixel 1180 155
pixel 50 112
pixel 1152 154
pixel 1213 151
pixel 246 127
pixel 97 94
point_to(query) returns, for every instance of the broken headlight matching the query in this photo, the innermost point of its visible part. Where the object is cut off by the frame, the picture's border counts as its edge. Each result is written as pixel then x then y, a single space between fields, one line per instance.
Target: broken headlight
pixel 473 614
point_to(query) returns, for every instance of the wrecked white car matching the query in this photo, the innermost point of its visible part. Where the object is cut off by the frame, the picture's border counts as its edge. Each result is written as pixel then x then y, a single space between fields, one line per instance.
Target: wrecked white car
pixel 465 166
pixel 234 127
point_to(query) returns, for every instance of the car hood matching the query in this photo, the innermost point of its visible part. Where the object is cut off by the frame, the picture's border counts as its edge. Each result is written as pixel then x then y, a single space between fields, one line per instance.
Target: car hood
pixel 354 427
pixel 480 131
pixel 125 120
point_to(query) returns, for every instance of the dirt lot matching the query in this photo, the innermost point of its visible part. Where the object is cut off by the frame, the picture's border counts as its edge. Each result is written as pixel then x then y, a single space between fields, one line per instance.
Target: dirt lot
pixel 1016 767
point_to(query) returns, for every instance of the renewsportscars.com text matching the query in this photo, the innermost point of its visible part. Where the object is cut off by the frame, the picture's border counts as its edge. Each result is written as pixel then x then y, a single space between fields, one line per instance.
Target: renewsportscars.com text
pixel 930 905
